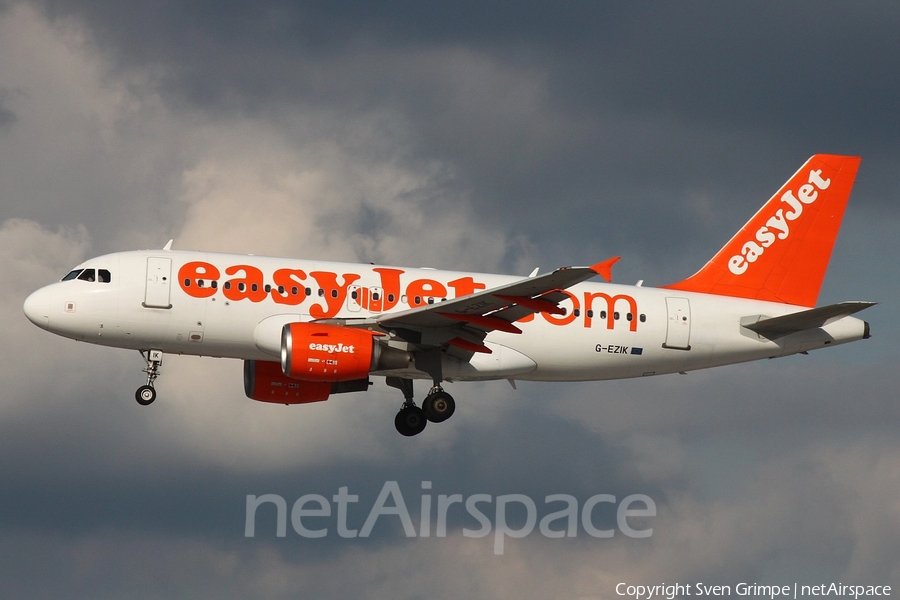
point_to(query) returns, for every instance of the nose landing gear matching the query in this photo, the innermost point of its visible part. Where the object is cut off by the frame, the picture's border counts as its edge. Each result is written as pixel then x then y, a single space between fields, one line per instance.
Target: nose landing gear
pixel 146 394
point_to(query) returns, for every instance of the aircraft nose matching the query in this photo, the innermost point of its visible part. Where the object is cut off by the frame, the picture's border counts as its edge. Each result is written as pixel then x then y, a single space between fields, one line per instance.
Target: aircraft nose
pixel 37 309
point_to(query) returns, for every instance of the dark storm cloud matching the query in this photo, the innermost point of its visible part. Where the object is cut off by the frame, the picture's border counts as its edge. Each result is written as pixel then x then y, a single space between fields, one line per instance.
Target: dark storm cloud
pixel 75 482
pixel 62 500
pixel 806 72
pixel 592 121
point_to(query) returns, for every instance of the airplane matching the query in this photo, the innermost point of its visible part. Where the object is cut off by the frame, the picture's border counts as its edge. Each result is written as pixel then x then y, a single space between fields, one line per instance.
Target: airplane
pixel 308 329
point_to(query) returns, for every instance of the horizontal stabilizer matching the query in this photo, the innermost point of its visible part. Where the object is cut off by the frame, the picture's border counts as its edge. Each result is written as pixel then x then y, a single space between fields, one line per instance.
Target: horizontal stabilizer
pixel 805 319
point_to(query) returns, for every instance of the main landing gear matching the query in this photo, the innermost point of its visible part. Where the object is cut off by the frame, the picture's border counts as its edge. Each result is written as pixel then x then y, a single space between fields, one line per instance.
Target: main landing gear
pixel 146 394
pixel 437 407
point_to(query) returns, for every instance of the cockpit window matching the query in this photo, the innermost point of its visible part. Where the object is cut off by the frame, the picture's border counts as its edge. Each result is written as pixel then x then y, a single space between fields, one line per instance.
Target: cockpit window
pixel 102 275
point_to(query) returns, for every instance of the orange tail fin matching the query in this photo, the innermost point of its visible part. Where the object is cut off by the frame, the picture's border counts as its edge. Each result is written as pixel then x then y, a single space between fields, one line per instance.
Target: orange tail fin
pixel 781 254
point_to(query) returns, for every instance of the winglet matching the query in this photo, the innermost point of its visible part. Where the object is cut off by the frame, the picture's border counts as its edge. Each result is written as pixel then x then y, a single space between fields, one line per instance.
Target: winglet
pixel 604 269
pixel 168 245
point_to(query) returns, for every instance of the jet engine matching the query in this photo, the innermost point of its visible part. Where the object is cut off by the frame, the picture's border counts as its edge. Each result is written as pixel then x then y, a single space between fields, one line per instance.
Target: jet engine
pixel 264 381
pixel 317 352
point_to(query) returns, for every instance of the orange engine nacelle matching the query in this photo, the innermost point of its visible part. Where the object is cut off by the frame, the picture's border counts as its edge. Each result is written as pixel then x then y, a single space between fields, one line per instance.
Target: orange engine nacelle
pixel 329 353
pixel 264 381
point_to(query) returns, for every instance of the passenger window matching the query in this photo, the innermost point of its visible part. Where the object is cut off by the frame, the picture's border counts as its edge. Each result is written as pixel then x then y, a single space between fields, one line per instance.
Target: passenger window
pixel 87 275
pixel 103 276
pixel 72 275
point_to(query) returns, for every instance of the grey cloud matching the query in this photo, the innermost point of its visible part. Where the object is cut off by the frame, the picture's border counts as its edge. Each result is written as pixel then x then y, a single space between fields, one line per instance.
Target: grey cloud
pixel 7 116
pixel 507 137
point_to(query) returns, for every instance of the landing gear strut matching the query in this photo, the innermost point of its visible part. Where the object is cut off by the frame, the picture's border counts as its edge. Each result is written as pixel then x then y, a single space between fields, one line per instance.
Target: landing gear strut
pixel 146 394
pixel 437 407
pixel 410 420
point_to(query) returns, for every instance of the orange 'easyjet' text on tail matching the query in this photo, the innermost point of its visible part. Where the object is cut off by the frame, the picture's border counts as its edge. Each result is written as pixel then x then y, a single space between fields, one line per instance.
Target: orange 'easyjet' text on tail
pixel 782 253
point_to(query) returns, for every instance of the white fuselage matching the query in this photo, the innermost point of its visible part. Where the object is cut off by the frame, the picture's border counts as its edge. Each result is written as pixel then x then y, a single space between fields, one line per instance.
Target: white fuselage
pixel 235 306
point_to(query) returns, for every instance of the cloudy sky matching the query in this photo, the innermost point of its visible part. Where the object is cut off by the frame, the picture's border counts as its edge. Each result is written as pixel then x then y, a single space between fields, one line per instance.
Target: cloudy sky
pixel 494 137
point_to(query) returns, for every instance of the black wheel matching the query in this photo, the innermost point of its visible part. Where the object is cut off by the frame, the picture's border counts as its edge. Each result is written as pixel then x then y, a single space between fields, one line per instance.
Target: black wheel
pixel 438 407
pixel 410 421
pixel 145 395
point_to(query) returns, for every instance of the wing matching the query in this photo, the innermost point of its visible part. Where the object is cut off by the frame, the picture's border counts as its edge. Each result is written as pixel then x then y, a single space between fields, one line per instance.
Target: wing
pixel 464 322
pixel 460 325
